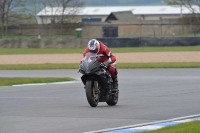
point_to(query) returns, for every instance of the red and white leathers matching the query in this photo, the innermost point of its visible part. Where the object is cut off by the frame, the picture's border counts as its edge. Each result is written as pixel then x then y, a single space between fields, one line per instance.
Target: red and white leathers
pixel 105 56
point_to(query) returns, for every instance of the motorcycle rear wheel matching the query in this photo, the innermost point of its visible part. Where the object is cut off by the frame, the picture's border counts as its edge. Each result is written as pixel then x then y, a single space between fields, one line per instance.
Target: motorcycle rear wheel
pixel 92 97
pixel 114 99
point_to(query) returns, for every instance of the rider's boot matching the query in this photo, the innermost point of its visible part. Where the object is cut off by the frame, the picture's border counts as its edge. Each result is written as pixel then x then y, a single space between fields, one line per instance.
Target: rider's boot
pixel 115 85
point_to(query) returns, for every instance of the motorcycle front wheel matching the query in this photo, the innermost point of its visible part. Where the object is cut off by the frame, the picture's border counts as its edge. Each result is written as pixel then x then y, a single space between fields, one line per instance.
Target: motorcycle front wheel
pixel 92 96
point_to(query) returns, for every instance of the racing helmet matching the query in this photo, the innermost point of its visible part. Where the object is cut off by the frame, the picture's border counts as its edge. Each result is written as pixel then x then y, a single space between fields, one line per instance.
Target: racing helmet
pixel 94 46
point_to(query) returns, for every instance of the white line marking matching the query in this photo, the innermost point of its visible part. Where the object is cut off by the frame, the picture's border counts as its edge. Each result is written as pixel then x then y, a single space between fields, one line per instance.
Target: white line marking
pixel 182 121
pixel 67 82
pixel 150 127
pixel 143 124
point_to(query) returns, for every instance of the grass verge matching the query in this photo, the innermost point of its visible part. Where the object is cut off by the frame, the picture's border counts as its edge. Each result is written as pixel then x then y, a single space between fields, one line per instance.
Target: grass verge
pixel 159 65
pixel 155 49
pixel 189 127
pixel 15 51
pixel 119 65
pixel 39 66
pixel 36 37
pixel 16 81
pixel 11 51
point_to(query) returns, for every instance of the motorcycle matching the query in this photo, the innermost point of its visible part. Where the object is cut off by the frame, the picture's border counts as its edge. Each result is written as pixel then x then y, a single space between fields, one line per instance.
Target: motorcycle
pixel 97 81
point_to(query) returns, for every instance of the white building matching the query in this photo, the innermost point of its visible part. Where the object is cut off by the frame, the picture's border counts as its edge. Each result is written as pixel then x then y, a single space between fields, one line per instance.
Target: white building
pixel 99 14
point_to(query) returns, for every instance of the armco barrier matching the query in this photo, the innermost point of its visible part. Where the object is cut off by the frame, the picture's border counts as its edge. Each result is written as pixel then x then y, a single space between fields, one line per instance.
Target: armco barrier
pixel 110 42
pixel 170 41
pixel 121 42
pixel 151 41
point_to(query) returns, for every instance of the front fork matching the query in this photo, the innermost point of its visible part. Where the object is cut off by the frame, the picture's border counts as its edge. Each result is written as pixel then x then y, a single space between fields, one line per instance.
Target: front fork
pixel 96 87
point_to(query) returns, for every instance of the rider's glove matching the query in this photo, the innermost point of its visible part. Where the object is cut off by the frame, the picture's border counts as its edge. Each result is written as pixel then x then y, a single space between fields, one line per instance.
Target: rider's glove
pixel 107 63
pixel 103 65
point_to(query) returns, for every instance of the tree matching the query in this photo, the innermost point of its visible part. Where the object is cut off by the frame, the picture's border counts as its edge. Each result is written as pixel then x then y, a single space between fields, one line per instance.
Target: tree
pixel 32 7
pixel 7 10
pixel 65 9
pixel 18 18
pixel 68 10
pixel 193 6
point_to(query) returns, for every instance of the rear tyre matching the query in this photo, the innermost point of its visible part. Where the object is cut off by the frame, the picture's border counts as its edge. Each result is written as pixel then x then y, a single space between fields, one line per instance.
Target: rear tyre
pixel 114 99
pixel 92 97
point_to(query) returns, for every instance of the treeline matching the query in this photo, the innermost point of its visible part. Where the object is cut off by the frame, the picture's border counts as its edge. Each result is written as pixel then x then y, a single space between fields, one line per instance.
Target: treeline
pixel 16 12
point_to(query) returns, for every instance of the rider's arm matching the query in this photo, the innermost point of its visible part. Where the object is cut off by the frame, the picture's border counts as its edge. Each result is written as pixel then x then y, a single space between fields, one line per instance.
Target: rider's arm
pixel 85 52
pixel 107 53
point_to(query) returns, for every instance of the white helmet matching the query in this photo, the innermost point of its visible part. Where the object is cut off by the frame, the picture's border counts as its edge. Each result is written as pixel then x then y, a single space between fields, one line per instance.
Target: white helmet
pixel 93 46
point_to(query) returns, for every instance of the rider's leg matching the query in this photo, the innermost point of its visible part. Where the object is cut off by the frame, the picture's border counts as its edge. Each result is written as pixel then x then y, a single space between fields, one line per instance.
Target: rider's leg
pixel 113 71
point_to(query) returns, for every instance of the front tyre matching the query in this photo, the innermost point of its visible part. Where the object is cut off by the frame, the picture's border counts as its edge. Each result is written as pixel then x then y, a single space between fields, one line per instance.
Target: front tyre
pixel 114 99
pixel 92 96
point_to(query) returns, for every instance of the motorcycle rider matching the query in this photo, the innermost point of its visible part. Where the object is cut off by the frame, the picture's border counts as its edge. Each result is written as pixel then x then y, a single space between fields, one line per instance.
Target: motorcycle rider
pixel 105 56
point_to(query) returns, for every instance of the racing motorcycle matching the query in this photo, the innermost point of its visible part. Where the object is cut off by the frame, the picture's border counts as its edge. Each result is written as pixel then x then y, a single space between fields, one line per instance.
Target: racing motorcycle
pixel 97 81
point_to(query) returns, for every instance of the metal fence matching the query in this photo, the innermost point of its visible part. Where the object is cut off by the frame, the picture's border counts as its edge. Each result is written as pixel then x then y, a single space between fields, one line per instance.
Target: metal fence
pixel 99 30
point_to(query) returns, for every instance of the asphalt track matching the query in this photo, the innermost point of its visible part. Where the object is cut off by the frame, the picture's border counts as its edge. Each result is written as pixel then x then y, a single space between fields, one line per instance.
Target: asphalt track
pixel 146 95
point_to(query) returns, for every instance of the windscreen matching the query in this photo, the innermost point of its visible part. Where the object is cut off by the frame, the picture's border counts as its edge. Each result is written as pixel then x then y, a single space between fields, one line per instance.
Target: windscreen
pixel 90 63
pixel 90 57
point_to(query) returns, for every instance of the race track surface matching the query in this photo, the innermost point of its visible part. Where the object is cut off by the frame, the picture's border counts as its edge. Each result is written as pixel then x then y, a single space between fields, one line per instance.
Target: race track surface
pixel 146 95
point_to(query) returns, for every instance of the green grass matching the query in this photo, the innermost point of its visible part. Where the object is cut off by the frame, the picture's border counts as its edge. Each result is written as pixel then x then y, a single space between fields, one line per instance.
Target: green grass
pixel 160 65
pixel 16 81
pixel 175 35
pixel 11 51
pixel 189 127
pixel 164 35
pixel 39 66
pixel 35 37
pixel 155 49
pixel 119 65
